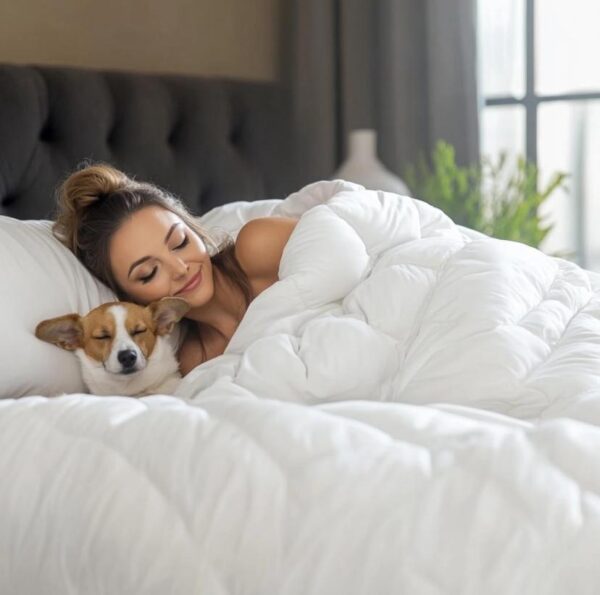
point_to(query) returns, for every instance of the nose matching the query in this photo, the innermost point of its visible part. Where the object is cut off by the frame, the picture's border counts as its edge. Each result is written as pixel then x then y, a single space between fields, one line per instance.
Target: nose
pixel 127 357
pixel 180 269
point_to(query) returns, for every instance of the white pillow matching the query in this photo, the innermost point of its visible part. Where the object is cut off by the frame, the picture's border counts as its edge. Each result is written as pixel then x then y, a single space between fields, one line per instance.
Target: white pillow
pixel 41 278
pixel 231 217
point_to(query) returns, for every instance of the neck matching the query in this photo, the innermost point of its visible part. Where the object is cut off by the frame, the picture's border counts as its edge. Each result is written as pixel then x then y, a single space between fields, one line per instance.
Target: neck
pixel 224 310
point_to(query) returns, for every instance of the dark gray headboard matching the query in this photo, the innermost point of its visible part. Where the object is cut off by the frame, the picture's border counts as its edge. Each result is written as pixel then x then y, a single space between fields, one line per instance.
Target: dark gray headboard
pixel 209 141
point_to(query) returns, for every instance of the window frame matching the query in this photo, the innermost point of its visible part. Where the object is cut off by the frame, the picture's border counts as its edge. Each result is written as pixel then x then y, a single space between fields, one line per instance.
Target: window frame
pixel 530 102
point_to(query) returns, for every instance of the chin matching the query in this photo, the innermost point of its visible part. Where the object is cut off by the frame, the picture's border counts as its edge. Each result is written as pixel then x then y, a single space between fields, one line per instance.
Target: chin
pixel 200 298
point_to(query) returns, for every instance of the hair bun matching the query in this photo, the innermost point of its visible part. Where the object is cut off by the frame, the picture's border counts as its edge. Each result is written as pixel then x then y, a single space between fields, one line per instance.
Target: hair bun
pixel 80 190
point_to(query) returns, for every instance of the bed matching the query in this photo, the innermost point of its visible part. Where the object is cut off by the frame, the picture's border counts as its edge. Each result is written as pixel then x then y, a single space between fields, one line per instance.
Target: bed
pixel 412 408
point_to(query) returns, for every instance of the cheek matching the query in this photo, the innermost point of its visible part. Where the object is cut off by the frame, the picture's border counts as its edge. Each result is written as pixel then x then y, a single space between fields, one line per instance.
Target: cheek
pixel 144 294
pixel 98 350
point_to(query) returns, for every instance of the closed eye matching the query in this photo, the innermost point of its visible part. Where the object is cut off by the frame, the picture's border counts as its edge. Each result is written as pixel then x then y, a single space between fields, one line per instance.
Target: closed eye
pixel 138 331
pixel 185 242
pixel 149 277
pixel 103 337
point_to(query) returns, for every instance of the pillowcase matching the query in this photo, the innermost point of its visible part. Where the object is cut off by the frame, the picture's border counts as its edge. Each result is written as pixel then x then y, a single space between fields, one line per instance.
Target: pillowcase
pixel 42 279
pixel 230 218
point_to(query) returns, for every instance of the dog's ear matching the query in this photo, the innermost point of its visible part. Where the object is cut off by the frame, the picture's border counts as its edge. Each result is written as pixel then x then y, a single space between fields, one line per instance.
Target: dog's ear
pixel 166 312
pixel 65 331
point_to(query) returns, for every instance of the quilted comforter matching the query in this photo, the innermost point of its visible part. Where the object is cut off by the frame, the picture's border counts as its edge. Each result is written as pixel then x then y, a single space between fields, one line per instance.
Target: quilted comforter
pixel 412 408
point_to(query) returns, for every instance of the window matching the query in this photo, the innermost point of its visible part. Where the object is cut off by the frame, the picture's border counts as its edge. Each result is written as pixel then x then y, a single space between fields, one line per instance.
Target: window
pixel 540 79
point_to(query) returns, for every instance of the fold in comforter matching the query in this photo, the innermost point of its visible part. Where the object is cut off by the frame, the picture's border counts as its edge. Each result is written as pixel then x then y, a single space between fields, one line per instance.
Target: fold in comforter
pixel 251 496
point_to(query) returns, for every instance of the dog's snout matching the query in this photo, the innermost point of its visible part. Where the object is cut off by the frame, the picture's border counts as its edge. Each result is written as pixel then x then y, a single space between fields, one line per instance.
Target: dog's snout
pixel 127 357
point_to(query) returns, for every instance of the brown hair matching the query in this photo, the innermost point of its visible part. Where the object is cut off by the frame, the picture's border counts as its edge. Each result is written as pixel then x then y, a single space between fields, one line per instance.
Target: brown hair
pixel 94 201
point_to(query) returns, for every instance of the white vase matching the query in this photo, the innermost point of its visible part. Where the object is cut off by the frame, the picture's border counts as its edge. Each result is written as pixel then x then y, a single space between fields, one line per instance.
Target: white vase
pixel 363 167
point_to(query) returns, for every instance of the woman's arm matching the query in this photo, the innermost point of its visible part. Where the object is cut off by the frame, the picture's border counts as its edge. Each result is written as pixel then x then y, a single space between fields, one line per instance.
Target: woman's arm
pixel 259 246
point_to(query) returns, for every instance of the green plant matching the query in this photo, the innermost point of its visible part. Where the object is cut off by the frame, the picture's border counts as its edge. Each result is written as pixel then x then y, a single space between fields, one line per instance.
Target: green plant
pixel 487 196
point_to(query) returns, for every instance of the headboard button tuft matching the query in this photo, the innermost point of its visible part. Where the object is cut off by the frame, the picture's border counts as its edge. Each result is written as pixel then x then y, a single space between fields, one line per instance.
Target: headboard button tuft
pixel 175 132
pixel 47 133
pixel 9 199
pixel 111 137
pixel 235 136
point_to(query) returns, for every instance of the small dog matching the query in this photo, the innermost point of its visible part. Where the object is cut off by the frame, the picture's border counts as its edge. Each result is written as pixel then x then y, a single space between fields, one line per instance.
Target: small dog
pixel 123 347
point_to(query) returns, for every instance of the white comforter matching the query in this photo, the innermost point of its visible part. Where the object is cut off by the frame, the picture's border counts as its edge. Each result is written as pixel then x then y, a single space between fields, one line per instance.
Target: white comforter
pixel 382 297
pixel 278 470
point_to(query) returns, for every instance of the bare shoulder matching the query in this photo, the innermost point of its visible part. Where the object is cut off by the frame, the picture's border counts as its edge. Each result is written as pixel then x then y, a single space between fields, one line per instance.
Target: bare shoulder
pixel 260 243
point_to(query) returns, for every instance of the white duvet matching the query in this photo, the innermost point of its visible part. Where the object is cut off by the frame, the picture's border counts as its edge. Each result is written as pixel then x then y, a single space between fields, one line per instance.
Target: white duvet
pixel 412 408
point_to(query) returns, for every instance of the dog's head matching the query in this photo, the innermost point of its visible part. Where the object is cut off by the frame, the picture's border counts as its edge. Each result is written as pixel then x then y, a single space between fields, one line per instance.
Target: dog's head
pixel 119 336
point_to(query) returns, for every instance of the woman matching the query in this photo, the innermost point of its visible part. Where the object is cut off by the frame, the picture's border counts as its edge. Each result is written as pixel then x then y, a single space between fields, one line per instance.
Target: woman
pixel 145 245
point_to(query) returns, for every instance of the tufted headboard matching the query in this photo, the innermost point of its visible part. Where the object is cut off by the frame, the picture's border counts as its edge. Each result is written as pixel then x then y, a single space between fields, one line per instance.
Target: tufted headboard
pixel 209 141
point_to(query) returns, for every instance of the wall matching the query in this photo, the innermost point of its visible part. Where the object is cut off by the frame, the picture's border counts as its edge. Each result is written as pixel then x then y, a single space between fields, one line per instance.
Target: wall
pixel 236 38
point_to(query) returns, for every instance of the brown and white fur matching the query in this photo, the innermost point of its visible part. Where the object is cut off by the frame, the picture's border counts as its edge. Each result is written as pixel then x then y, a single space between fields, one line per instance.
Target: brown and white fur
pixel 123 347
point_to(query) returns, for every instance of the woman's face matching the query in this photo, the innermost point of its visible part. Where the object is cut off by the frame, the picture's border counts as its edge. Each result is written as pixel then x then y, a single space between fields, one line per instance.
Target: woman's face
pixel 154 254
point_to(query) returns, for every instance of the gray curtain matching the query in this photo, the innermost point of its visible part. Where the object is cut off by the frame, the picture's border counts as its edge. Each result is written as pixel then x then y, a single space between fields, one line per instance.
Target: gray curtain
pixel 404 67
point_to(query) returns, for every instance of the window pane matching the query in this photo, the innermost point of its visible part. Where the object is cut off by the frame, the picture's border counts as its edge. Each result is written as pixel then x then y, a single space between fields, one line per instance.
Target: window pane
pixel 502 47
pixel 567 46
pixel 503 130
pixel 569 141
pixel 590 176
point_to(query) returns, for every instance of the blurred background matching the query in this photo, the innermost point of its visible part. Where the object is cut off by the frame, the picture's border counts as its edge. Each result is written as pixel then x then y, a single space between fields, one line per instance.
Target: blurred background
pixel 487 108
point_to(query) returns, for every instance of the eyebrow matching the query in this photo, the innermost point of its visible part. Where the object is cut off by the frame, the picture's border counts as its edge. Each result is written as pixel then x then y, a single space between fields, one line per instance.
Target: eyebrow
pixel 145 258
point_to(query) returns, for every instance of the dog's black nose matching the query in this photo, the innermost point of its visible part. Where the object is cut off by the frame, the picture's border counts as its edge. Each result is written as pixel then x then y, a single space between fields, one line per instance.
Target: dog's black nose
pixel 127 357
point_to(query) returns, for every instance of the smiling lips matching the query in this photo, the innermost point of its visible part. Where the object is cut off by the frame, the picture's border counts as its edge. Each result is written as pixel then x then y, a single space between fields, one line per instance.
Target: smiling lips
pixel 194 282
